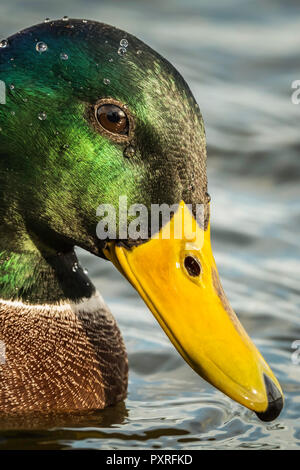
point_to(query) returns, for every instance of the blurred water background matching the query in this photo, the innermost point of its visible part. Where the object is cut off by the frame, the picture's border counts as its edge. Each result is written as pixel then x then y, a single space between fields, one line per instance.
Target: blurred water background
pixel 239 58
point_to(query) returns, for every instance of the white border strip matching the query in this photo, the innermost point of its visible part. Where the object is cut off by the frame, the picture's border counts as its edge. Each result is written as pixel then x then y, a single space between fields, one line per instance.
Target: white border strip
pixel 86 304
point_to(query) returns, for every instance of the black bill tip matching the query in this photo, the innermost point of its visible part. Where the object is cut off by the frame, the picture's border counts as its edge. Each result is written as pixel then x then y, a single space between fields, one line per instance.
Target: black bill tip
pixel 275 400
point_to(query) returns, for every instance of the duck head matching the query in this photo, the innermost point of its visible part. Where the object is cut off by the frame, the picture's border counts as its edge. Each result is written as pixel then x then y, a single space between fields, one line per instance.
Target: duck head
pixel 93 115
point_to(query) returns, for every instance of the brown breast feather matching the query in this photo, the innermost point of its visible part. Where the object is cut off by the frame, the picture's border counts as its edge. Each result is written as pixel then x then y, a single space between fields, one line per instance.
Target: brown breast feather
pixel 60 358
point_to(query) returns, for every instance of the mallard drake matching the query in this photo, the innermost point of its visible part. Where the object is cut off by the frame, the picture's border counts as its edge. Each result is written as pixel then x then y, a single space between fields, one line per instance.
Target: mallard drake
pixel 93 114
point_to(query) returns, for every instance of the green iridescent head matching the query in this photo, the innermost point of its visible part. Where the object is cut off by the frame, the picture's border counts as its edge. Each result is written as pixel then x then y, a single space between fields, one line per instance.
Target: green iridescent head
pixel 58 162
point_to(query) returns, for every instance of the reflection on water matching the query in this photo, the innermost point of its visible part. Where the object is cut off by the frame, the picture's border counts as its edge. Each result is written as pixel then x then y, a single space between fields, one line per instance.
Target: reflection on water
pixel 240 59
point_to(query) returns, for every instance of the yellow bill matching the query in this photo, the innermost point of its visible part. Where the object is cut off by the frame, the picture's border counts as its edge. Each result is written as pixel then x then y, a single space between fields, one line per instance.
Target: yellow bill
pixel 176 275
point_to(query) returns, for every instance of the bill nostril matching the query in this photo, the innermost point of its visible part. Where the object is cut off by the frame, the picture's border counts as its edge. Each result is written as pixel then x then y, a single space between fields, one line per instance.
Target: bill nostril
pixel 275 400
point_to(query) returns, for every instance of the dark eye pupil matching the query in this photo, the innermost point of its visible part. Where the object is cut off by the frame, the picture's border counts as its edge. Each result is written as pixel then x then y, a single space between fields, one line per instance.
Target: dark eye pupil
pixel 114 116
pixel 192 266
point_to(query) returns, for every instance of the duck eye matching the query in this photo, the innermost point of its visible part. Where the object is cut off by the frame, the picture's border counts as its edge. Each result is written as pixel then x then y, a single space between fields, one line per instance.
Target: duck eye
pixel 192 266
pixel 113 119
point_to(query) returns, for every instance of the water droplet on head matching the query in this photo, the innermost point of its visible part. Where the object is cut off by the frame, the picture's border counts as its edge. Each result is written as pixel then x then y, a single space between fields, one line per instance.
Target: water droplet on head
pixel 41 46
pixel 3 43
pixel 65 18
pixel 75 267
pixel 122 51
pixel 64 56
pixel 42 116
pixel 129 151
pixel 124 43
pixel 12 86
pixel 85 271
pixel 138 52
pixel 106 81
